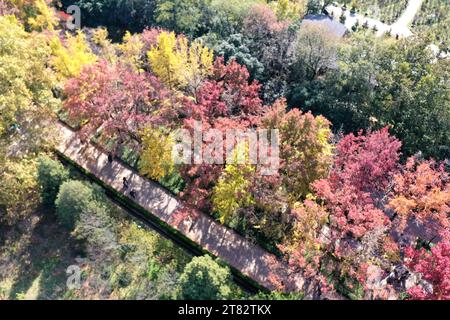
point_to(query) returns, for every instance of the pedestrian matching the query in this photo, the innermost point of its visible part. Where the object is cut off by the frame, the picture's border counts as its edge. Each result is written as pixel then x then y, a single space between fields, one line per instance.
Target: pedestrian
pixel 133 194
pixel 125 183
pixel 110 157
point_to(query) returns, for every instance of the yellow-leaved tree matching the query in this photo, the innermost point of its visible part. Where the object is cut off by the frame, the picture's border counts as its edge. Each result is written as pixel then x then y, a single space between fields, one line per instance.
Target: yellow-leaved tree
pixel 131 50
pixel 71 56
pixel 156 156
pixel 27 104
pixel 44 17
pixel 178 64
pixel 19 185
pixel 106 49
pixel 36 15
pixel 232 190
pixel 289 9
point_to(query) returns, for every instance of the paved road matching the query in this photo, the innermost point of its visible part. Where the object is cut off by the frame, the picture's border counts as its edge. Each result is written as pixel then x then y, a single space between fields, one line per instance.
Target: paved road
pixel 399 27
pixel 247 257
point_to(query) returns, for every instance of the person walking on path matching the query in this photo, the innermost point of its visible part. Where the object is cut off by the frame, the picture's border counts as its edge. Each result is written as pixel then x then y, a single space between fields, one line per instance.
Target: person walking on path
pixel 125 183
pixel 133 194
pixel 110 157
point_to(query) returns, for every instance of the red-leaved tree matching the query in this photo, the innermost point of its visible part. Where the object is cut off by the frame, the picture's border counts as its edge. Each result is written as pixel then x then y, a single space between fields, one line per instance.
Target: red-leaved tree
pixel 115 98
pixel 420 200
pixel 225 101
pixel 434 268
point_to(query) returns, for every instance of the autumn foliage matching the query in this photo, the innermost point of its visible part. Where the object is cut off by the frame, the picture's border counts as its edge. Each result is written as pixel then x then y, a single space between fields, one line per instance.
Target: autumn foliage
pixel 434 266
pixel 347 211
pixel 421 195
pixel 115 98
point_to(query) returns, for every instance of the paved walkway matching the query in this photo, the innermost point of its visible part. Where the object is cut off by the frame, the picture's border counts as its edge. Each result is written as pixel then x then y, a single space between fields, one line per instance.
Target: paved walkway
pixel 247 257
pixel 399 27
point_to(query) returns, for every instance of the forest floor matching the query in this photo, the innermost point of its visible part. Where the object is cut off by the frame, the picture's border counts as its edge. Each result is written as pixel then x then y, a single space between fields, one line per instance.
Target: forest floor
pixel 34 255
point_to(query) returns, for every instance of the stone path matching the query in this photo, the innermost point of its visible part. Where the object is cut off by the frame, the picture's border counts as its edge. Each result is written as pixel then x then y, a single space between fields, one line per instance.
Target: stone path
pixel 247 257
pixel 399 27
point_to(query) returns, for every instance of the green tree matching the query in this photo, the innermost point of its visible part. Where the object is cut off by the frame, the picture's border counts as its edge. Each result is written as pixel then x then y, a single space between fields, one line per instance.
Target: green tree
pixel 182 16
pixel 204 279
pixel 73 199
pixel 116 15
pixel 379 82
pixel 51 175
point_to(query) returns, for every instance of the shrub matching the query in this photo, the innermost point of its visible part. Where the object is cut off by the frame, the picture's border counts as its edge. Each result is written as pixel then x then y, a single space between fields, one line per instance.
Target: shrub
pixel 97 228
pixel 204 279
pixel 73 198
pixel 51 174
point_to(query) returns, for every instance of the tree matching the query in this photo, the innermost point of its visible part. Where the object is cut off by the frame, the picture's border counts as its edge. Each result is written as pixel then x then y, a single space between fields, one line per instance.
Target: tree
pixel 131 50
pixel 306 248
pixel 19 190
pixel 316 51
pixel 226 16
pixel 51 175
pixel 289 9
pixel 117 16
pixel 356 234
pixel 268 217
pixel 232 189
pixel 102 45
pixel 270 42
pixel 234 47
pixel 182 16
pixel 420 196
pixel 305 151
pixel 227 93
pixel 43 17
pixel 115 98
pixel 71 54
pixel 434 267
pixel 36 15
pixel 73 199
pixel 362 171
pixel 204 279
pixel 27 104
pixel 383 82
pixel 178 64
pixel 225 101
pixel 156 157
pixel 98 230
pixel 314 7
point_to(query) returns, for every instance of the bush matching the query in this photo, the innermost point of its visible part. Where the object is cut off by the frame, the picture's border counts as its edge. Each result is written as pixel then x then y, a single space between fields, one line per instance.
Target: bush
pixel 73 198
pixel 51 174
pixel 204 279
pixel 96 227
